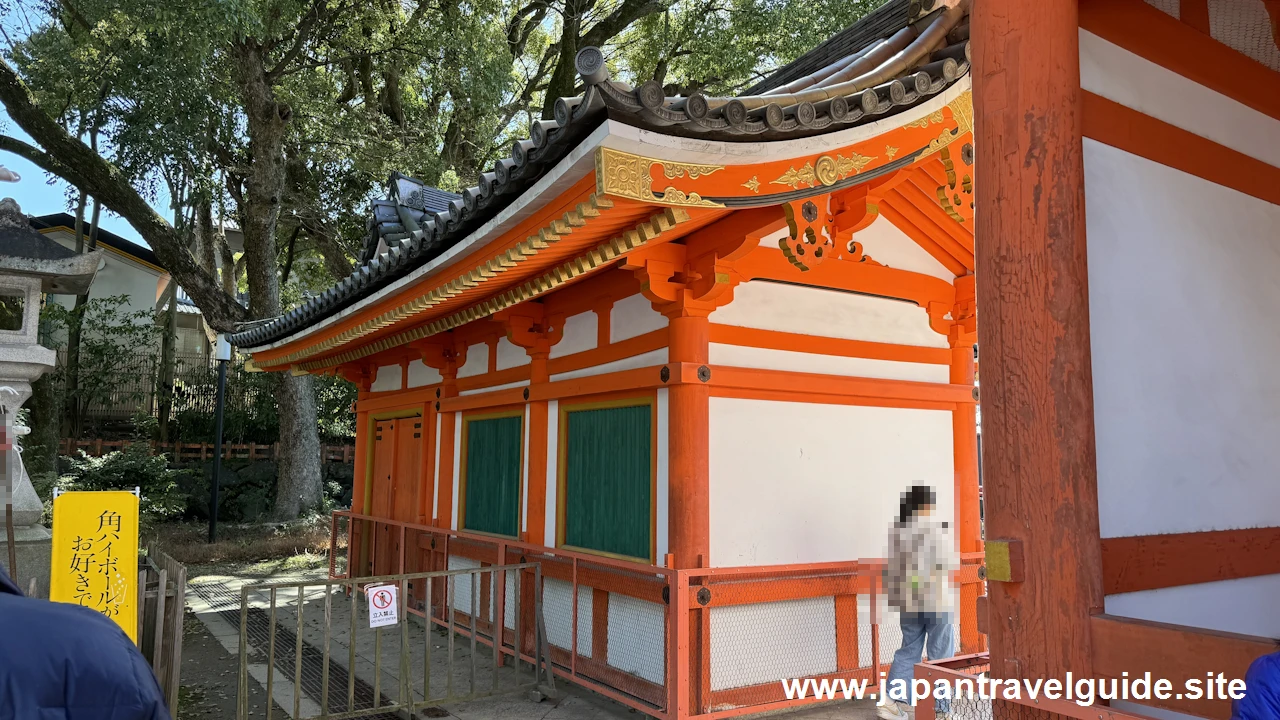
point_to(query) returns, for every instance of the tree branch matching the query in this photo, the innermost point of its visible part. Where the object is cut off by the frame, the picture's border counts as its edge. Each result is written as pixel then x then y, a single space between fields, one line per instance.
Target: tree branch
pixel 73 161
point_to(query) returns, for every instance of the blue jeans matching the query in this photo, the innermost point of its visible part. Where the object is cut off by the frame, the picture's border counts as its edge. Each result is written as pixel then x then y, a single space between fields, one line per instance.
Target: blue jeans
pixel 921 630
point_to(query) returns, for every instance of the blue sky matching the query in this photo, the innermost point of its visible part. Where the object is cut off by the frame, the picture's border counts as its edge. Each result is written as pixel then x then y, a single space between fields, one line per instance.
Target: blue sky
pixel 38 196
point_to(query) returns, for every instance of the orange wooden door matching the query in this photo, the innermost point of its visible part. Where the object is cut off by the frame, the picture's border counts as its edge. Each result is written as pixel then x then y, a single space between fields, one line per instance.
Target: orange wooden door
pixel 380 490
pixel 403 490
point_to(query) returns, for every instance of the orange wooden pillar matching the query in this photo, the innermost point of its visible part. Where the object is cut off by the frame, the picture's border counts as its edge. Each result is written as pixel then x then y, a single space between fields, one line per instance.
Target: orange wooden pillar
pixel 1032 286
pixel 536 525
pixel 688 478
pixel 688 473
pixel 964 427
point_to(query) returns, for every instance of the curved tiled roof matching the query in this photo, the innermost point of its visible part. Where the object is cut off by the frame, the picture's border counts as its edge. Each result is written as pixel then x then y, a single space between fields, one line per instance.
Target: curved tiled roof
pixel 893 59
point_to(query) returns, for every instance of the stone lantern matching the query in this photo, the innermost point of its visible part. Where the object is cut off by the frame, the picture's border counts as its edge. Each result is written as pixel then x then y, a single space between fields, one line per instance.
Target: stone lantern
pixel 30 264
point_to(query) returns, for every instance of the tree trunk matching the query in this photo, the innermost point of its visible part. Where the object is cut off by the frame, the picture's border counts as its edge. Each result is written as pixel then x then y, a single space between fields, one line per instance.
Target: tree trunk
pixel 335 257
pixel 298 465
pixel 298 483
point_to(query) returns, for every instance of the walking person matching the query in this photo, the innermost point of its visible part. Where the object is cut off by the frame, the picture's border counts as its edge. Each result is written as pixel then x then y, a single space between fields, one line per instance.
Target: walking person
pixel 918 580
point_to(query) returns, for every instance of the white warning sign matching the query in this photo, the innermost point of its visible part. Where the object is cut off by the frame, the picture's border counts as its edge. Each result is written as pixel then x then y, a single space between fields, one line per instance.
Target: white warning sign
pixel 383 606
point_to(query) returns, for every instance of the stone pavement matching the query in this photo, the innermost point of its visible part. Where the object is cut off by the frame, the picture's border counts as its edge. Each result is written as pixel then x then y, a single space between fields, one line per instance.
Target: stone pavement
pixel 215 601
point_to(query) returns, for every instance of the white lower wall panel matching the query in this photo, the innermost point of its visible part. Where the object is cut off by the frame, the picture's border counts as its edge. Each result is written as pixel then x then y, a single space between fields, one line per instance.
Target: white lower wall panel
pixel 557 612
pixel 805 483
pixel 768 642
pixel 637 637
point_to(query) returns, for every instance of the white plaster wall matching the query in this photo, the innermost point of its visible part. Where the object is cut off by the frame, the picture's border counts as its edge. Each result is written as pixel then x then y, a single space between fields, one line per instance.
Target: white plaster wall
pixel 511 355
pixel 768 642
pixel 634 316
pixel 579 334
pixel 420 374
pixel 827 313
pixel 477 361
pixel 387 378
pixel 769 359
pixel 637 637
pixel 662 508
pixel 119 276
pixel 1114 73
pixel 649 359
pixel 435 479
pixel 553 471
pixel 493 388
pixel 457 470
pixel 1243 605
pixel 524 473
pixel 1182 316
pixel 885 243
pixel 557 612
pixel 805 483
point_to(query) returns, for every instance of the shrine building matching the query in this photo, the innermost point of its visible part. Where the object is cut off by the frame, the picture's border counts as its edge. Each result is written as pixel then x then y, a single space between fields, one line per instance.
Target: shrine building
pixel 687 352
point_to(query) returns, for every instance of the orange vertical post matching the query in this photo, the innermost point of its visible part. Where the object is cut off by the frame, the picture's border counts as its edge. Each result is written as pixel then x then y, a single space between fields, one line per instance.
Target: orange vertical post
pixel 444 491
pixel 1039 468
pixel 964 426
pixel 536 525
pixel 688 469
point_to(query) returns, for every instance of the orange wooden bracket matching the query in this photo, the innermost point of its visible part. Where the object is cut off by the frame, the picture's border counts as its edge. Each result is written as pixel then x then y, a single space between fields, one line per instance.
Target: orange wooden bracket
pixel 360 374
pixel 812 238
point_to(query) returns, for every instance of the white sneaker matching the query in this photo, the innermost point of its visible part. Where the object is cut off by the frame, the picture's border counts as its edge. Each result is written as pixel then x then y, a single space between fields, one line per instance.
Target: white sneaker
pixel 891 711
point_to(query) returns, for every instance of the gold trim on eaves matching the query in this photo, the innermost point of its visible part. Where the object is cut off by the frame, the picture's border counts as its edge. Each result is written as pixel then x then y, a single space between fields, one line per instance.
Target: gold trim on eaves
pixel 627 176
pixel 524 250
pixel 647 231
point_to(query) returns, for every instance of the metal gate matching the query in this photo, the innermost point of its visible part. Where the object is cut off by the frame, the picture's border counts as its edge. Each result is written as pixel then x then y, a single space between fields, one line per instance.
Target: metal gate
pixel 460 635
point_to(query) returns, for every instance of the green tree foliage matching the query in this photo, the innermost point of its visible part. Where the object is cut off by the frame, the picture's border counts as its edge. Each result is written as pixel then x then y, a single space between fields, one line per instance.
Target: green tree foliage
pixel 112 334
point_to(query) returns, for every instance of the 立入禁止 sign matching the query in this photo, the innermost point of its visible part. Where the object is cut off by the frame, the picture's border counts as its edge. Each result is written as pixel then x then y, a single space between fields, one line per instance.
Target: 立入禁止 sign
pixel 383 607
pixel 95 554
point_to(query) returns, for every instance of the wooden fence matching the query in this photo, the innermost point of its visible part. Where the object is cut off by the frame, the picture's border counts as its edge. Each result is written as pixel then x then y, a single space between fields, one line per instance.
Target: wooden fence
pixel 162 587
pixel 193 452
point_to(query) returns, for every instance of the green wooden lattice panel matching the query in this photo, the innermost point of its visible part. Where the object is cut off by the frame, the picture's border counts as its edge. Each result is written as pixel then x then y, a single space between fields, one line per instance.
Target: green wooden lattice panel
pixel 608 480
pixel 493 476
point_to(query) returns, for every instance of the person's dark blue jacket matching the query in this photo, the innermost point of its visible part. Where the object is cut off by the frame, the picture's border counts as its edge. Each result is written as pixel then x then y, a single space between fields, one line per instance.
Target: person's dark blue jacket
pixel 64 662
pixel 1261 691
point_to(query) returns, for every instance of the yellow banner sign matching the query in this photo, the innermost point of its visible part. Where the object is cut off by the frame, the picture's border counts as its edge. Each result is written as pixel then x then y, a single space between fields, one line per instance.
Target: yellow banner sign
pixel 95 554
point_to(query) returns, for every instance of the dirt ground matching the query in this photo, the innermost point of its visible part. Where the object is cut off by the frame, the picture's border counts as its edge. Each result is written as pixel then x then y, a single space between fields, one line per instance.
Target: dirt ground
pixel 208 690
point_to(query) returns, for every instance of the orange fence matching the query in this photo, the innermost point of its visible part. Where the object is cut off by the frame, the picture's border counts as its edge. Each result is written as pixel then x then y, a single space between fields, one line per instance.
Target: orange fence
pixel 706 643
pixel 191 452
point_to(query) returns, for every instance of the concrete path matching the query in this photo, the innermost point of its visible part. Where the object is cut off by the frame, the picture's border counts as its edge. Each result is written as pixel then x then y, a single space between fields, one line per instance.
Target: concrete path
pixel 375 656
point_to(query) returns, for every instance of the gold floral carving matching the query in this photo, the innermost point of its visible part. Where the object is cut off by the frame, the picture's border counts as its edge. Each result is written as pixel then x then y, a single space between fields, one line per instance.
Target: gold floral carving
pixel 626 175
pixel 753 184
pixel 890 151
pixel 853 164
pixel 827 171
pixel 795 178
pixel 962 113
pixel 675 170
pixel 933 118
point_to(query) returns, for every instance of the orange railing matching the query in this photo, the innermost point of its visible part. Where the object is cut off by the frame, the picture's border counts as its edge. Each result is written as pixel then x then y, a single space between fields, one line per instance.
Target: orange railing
pixel 707 643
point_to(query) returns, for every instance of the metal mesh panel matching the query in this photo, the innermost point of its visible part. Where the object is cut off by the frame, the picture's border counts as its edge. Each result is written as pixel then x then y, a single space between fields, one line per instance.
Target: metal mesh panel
pixel 1245 26
pixel 1170 7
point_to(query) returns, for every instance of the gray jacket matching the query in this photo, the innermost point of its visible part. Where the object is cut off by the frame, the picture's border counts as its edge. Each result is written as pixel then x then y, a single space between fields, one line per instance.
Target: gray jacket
pixel 922 558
